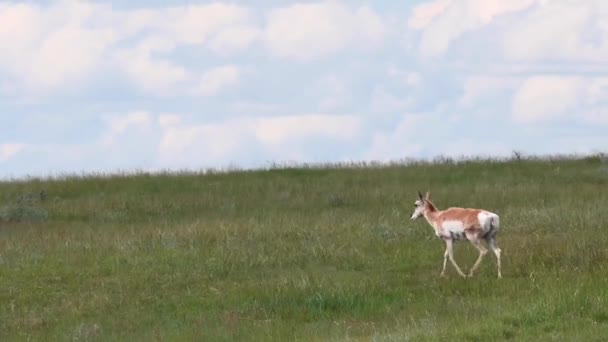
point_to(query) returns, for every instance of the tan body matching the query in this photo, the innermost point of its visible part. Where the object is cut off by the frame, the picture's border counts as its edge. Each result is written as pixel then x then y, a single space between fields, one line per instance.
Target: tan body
pixel 455 224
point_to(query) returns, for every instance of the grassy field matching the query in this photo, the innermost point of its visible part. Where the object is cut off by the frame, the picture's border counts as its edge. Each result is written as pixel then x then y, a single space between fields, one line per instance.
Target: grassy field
pixel 308 254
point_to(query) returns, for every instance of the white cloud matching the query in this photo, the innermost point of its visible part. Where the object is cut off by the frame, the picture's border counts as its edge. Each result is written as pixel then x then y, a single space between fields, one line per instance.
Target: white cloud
pixel 441 22
pixel 163 77
pixel 486 10
pixel 276 130
pixel 184 25
pixel 219 142
pixel 371 26
pixel 598 115
pixel 8 89
pixel 234 39
pixel 423 14
pixel 119 124
pixel 196 23
pixel 413 78
pixel 200 143
pixel 594 99
pixel 217 79
pixel 410 78
pixel 534 30
pixel 544 58
pixel 192 25
pixel 555 98
pixel 252 107
pixel 52 47
pixel 20 30
pixel 402 142
pixel 597 90
pixel 416 135
pixel 168 120
pixel 149 71
pixel 336 92
pixel 154 75
pixel 479 86
pixel 221 28
pixel 558 30
pixel 309 31
pixel 542 98
pixel 7 151
pixel 67 55
pixel 49 48
pixel 385 102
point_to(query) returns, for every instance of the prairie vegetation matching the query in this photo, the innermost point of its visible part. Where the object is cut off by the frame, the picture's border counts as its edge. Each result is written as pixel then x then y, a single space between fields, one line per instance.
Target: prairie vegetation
pixel 309 253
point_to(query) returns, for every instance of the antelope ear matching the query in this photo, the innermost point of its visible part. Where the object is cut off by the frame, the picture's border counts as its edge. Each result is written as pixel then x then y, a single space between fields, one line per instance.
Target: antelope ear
pixel 428 195
pixel 420 195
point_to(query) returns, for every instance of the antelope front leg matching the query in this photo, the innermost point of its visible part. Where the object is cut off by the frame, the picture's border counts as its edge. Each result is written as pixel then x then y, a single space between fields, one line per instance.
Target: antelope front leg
pixel 445 262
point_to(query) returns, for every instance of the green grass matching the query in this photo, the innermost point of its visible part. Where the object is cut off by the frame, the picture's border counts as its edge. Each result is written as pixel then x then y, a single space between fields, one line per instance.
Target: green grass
pixel 307 254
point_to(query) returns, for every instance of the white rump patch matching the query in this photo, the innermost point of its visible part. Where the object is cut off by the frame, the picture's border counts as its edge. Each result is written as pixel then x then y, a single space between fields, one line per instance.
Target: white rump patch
pixel 485 220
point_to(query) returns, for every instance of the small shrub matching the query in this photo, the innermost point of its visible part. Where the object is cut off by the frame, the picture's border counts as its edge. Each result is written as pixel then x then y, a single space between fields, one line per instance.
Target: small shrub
pixel 335 201
pixel 23 213
pixel 24 209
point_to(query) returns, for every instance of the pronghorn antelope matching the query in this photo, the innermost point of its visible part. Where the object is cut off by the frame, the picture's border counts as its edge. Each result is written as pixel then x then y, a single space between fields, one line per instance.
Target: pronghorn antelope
pixel 455 224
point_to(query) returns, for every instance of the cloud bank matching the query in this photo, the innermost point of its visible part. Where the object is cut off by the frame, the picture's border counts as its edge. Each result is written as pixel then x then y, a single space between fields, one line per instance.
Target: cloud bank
pixel 90 86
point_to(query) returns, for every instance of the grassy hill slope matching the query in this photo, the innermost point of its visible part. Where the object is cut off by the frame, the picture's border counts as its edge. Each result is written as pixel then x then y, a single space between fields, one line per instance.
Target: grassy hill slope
pixel 304 254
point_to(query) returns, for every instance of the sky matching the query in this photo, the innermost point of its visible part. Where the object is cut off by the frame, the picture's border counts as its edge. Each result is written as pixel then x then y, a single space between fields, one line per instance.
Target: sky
pixel 91 86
